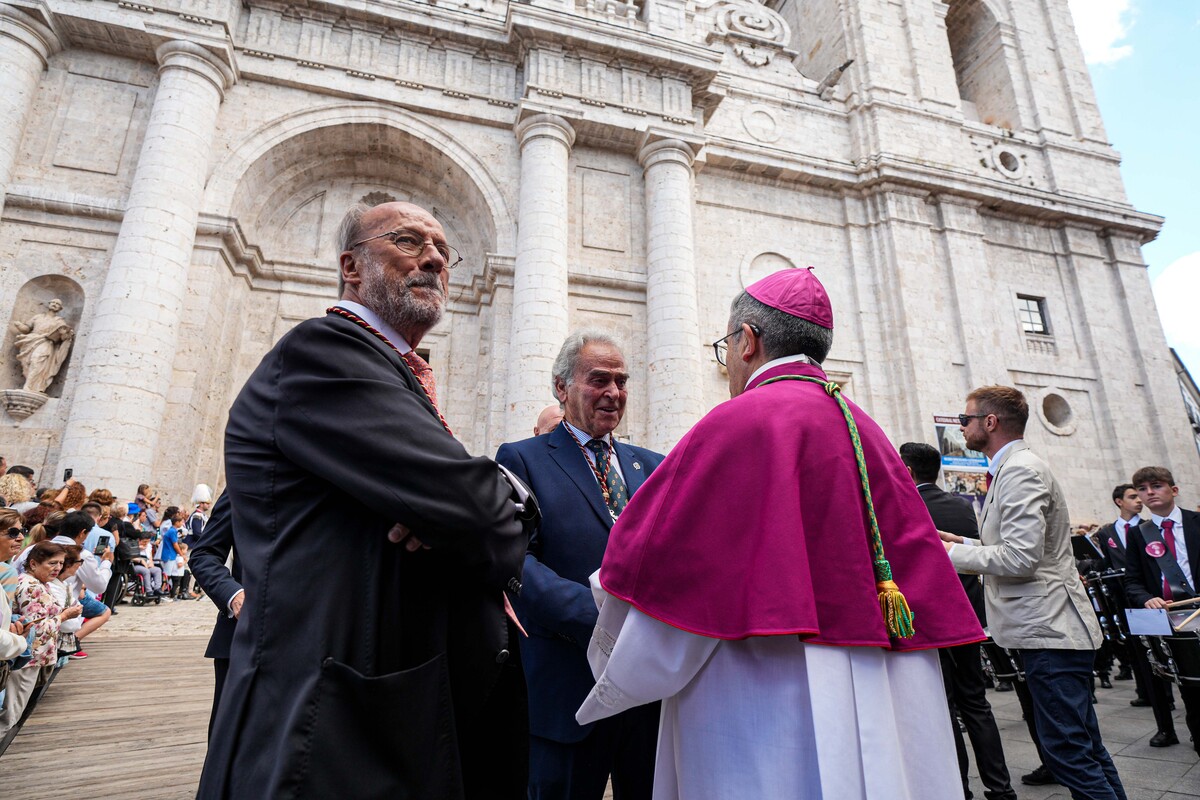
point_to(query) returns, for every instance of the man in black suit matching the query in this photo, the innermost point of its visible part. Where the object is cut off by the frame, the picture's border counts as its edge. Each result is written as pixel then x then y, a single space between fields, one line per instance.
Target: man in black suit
pixel 1112 538
pixel 1161 559
pixel 583 477
pixel 210 551
pixel 372 655
pixel 962 668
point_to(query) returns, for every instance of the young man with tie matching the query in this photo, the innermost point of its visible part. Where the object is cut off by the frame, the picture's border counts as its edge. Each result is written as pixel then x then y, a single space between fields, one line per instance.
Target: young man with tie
pixel 1112 539
pixel 1161 556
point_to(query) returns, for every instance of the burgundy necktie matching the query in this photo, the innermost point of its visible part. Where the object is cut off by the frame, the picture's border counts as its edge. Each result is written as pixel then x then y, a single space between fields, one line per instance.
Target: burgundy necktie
pixel 424 373
pixel 1168 530
pixel 1128 528
pixel 987 484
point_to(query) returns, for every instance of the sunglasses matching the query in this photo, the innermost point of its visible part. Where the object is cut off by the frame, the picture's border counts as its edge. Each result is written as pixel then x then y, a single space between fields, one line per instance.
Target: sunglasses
pixel 15 533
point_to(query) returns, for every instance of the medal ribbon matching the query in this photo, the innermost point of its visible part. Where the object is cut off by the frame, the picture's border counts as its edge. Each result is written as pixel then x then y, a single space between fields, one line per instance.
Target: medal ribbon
pixel 600 479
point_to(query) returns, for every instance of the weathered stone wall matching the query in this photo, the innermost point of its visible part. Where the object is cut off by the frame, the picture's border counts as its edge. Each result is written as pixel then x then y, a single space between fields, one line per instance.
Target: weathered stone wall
pixel 630 172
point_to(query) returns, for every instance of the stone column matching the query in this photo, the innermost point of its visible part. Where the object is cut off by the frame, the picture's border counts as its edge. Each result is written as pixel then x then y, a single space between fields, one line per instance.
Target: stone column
pixel 25 47
pixel 673 327
pixel 112 434
pixel 539 307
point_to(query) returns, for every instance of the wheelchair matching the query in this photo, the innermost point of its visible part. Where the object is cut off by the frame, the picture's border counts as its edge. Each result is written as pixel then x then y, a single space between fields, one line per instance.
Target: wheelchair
pixel 131 587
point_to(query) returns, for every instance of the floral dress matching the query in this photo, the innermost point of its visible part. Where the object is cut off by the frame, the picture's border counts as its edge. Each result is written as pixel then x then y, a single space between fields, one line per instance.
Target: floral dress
pixel 34 600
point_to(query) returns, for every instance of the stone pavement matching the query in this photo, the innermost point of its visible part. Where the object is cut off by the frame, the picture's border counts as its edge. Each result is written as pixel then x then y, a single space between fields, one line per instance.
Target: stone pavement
pixel 181 618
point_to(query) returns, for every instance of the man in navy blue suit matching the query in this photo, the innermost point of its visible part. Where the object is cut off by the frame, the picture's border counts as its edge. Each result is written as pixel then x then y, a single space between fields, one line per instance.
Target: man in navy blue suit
pixel 583 477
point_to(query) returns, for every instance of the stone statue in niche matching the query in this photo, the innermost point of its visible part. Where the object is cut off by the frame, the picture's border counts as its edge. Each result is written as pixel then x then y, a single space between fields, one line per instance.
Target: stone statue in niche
pixel 42 346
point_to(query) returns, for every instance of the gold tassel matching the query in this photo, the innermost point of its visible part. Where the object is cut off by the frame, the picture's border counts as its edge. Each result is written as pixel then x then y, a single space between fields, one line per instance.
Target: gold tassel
pixel 896 613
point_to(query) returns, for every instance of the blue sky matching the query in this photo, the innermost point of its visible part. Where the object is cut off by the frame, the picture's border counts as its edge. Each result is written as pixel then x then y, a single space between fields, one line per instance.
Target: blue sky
pixel 1144 56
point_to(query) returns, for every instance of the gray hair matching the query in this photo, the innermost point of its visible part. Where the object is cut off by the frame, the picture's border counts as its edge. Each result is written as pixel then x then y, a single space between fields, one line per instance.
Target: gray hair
pixel 349 231
pixel 782 334
pixel 567 360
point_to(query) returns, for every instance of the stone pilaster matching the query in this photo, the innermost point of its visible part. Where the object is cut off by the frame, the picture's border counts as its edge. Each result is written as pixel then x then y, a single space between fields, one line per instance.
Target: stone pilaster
pixel 539 309
pixel 25 47
pixel 673 330
pixel 117 410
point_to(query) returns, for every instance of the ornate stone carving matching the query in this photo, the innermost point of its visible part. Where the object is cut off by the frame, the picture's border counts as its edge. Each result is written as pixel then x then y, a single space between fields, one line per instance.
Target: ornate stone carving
pixel 20 404
pixel 42 346
pixel 754 32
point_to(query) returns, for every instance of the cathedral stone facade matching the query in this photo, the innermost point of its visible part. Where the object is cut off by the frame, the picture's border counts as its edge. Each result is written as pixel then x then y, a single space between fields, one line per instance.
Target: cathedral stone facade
pixel 174 171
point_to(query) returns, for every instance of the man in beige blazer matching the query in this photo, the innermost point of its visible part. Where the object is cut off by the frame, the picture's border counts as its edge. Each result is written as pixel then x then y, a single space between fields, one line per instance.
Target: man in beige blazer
pixel 1035 602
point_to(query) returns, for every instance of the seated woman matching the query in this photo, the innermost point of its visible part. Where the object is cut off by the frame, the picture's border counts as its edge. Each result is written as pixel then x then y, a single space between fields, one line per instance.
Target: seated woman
pixel 37 607
pixel 70 632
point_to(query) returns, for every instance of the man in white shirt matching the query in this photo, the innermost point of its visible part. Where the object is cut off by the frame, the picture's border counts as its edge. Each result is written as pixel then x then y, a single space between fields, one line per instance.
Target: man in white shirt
pixel 1036 604
pixel 1160 567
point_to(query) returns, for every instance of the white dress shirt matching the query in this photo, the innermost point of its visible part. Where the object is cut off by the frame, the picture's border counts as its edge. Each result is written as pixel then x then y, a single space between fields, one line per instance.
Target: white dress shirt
pixel 1181 554
pixel 1120 524
pixel 94 573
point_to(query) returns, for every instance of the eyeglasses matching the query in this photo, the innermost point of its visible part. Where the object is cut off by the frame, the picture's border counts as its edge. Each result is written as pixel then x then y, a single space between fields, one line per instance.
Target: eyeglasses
pixel 721 346
pixel 70 562
pixel 411 243
pixel 15 533
pixel 965 419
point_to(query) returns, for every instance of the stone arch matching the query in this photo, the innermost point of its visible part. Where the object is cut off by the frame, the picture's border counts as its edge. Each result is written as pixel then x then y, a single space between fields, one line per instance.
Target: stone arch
pixel 980 48
pixel 273 183
pixel 32 299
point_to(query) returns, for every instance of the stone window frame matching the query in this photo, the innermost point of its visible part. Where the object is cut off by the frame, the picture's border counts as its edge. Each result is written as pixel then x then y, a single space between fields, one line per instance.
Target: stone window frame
pixel 1031 313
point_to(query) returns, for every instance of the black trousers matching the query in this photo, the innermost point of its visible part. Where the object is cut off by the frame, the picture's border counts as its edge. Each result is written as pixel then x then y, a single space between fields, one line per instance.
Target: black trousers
pixel 962 671
pixel 221 668
pixel 623 746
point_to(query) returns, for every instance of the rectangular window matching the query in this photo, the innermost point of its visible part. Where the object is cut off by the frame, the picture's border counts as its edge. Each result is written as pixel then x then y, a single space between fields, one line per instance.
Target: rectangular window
pixel 1032 311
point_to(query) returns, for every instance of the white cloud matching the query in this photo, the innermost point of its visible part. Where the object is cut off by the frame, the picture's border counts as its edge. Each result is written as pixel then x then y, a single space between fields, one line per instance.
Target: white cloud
pixel 1102 25
pixel 1176 292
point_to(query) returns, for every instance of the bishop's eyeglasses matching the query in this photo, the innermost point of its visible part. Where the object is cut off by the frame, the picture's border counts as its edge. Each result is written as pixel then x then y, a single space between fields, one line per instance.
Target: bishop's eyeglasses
pixel 412 244
pixel 721 346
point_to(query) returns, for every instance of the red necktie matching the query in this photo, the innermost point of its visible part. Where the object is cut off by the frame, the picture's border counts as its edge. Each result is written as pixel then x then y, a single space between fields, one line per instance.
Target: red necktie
pixel 424 373
pixel 1128 528
pixel 1168 530
pixel 987 484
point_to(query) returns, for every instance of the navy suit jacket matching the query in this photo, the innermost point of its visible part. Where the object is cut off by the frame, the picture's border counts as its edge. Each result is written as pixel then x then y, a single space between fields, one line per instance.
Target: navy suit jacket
pixel 555 603
pixel 210 550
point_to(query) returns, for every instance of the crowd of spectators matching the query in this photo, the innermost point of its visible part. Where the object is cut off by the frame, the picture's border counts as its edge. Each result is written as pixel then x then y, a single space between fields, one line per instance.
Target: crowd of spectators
pixel 68 558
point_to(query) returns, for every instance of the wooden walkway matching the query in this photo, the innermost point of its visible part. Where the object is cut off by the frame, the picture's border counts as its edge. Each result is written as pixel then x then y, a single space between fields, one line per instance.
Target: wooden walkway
pixel 107 728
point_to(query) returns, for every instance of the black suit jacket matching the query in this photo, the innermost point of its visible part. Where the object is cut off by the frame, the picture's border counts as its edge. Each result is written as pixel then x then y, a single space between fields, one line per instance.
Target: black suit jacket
pixel 357 666
pixel 955 515
pixel 210 550
pixel 1143 578
pixel 1110 543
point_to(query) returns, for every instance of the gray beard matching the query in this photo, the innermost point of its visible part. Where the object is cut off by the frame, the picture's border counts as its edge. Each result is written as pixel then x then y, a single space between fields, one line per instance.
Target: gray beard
pixel 394 301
